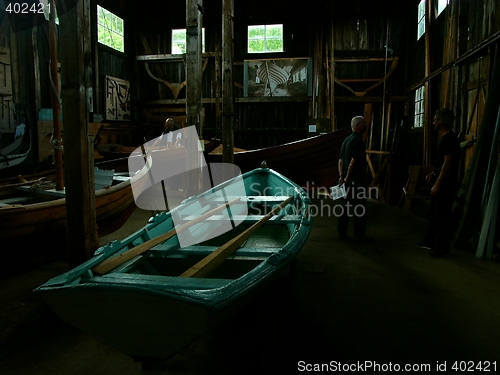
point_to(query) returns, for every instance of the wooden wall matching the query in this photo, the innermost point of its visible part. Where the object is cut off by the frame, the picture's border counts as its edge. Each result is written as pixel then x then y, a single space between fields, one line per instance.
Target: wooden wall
pixel 362 29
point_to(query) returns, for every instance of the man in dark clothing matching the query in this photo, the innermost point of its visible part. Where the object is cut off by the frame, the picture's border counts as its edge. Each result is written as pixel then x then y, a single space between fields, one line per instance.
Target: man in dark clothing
pixel 352 170
pixel 168 127
pixel 445 186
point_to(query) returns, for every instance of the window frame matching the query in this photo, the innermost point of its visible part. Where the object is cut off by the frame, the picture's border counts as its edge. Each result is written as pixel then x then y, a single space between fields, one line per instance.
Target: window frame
pixel 418 120
pixel 421 18
pixel 440 10
pixel 265 38
pixel 111 29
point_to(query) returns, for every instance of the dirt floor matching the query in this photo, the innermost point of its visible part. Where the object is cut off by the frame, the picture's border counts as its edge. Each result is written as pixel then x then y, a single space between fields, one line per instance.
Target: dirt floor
pixel 342 304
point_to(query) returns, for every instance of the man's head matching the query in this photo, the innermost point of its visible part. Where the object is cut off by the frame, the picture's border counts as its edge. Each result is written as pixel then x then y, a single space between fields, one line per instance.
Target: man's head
pixel 444 118
pixel 358 124
pixel 169 124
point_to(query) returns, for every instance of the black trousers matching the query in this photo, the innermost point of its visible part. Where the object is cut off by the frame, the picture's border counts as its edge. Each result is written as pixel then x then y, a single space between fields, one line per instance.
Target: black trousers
pixel 353 206
pixel 440 228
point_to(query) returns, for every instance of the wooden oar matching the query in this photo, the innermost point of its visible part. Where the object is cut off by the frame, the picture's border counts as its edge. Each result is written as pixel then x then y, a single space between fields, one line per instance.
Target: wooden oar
pixel 113 262
pixel 212 261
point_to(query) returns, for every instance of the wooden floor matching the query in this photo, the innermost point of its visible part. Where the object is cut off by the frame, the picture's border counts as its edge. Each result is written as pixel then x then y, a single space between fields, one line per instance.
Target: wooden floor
pixel 342 302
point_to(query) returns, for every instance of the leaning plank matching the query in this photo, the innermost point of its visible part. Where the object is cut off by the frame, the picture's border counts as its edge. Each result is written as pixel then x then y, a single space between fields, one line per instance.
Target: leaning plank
pixel 212 261
pixel 113 262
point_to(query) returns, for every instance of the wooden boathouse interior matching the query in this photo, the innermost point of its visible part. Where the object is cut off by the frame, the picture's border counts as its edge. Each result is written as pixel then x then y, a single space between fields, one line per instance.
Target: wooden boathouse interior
pixel 393 62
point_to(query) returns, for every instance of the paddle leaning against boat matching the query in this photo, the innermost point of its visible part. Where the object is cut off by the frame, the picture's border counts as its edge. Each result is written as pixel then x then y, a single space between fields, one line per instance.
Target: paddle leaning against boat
pixel 153 293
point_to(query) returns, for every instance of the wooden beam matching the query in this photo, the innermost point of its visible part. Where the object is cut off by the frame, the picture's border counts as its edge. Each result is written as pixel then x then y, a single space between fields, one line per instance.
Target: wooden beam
pixel 368 119
pixel 96 77
pixel 227 82
pixel 113 262
pixel 218 87
pixel 285 99
pixel 427 95
pixel 56 102
pixel 208 264
pixel 193 63
pixel 78 152
pixel 367 59
pixel 167 57
pixel 194 104
pixel 36 68
pixel 332 83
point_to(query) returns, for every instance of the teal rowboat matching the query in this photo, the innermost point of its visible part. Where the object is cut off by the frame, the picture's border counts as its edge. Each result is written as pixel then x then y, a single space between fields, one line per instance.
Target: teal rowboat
pixel 150 297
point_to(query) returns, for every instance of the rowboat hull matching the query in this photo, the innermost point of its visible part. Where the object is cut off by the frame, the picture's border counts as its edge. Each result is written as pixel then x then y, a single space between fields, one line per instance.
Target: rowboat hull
pixel 36 219
pixel 145 309
pixel 308 162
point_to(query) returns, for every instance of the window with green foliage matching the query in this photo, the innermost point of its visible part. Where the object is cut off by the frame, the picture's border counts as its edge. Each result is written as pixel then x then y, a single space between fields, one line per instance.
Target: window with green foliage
pixel 421 19
pixel 179 41
pixel 265 38
pixel 441 6
pixel 419 108
pixel 109 29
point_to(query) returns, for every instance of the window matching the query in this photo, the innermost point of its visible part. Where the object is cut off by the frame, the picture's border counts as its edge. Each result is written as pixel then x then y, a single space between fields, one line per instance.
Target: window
pixel 109 29
pixel 441 6
pixel 179 41
pixel 421 19
pixel 265 38
pixel 419 108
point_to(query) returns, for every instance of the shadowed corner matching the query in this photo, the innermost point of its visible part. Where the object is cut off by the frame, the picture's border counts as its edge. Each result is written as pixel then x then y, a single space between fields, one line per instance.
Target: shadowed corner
pixel 24 15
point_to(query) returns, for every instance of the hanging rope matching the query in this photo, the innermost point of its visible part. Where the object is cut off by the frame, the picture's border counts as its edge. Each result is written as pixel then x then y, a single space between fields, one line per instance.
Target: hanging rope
pixel 56 145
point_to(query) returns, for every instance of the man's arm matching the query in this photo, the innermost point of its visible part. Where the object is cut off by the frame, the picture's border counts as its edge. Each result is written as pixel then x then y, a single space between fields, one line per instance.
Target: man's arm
pixel 445 170
pixel 352 166
pixel 341 172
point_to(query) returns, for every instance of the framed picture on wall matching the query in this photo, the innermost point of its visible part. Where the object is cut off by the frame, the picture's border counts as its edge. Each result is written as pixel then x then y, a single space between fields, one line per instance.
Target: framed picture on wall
pixel 117 99
pixel 278 77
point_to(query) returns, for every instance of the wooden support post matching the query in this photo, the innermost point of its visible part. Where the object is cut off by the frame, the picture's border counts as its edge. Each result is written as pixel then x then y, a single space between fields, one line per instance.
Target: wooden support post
pixel 368 119
pixel 227 82
pixel 387 127
pixel 194 63
pixel 56 103
pixel 76 77
pixel 95 59
pixel 384 94
pixel 36 68
pixel 193 89
pixel 332 76
pixel 218 79
pixel 427 95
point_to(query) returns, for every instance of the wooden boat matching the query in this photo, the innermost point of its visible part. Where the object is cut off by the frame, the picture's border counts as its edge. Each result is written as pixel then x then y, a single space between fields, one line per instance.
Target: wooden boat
pixel 15 154
pixel 115 151
pixel 150 297
pixel 29 214
pixel 311 162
